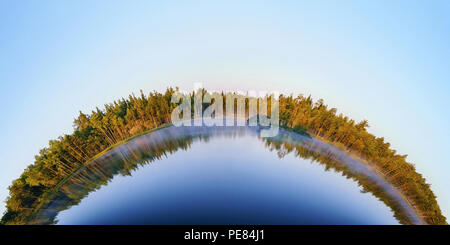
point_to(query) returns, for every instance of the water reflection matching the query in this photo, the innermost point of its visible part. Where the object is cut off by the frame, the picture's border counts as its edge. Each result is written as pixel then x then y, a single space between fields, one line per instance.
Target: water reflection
pixel 226 177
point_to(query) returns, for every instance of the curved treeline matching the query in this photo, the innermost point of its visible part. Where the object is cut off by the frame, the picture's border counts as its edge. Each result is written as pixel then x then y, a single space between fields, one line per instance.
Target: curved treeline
pixel 92 134
pixel 129 117
pixel 331 160
pixel 353 137
pixel 122 160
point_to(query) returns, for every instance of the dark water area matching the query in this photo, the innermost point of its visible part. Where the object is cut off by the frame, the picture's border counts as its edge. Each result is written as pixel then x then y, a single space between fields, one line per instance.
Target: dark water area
pixel 219 175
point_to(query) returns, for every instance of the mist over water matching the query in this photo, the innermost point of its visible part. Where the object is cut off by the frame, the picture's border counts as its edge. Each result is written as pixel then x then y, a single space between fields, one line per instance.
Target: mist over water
pixel 219 175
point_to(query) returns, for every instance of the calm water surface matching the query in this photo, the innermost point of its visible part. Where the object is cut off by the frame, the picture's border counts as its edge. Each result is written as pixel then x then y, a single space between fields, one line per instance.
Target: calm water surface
pixel 201 175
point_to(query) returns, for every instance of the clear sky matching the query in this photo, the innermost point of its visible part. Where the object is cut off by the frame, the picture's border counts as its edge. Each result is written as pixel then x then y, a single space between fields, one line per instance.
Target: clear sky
pixel 384 61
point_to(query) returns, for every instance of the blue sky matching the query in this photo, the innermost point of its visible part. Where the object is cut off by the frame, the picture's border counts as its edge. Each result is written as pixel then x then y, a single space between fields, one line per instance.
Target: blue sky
pixel 384 61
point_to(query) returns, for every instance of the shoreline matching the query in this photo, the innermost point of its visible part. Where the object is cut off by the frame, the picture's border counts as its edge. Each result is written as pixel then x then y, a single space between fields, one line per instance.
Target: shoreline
pixel 366 163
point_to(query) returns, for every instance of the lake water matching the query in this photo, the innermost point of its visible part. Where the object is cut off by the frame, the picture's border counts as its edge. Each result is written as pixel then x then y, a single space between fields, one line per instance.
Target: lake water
pixel 221 175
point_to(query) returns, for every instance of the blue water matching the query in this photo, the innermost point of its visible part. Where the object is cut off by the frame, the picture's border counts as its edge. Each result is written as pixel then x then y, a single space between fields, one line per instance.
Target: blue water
pixel 229 180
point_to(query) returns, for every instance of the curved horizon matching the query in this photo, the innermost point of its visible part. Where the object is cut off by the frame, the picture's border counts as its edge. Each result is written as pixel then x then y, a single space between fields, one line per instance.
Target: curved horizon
pixel 112 134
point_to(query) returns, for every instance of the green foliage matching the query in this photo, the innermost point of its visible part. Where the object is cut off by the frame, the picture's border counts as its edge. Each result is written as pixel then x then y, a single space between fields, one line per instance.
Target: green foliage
pixel 125 118
pixel 301 113
pixel 92 134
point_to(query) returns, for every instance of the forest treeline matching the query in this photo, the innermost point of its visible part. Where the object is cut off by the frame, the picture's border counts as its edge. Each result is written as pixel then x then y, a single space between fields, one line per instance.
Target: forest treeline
pixel 122 160
pixel 102 129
